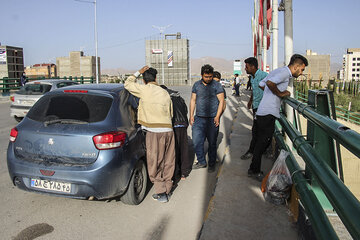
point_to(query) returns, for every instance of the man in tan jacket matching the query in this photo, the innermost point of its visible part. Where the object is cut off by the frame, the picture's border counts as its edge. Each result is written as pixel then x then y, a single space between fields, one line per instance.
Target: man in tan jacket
pixel 154 114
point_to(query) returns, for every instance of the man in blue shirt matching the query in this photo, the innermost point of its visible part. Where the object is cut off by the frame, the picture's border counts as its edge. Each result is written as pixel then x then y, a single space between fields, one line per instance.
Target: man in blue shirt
pixel 208 98
pixel 275 85
pixel 256 75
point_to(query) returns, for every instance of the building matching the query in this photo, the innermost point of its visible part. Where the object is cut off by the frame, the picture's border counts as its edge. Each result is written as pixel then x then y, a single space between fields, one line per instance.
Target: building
pixel 318 68
pixel 46 70
pixel 77 65
pixel 171 56
pixel 11 62
pixel 351 64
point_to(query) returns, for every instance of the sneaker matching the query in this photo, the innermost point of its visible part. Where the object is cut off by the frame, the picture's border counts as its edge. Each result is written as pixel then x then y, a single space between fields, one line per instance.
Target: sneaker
pixel 199 165
pixel 161 197
pixel 247 155
pixel 259 176
pixel 211 168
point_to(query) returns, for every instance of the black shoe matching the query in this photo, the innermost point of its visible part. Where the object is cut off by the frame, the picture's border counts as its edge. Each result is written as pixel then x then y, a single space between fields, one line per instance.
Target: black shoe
pixel 211 168
pixel 259 176
pixel 161 197
pixel 251 173
pixel 199 165
pixel 247 155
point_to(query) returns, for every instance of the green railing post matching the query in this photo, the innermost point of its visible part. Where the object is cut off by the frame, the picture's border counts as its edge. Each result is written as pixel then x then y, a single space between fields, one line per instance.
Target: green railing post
pixel 82 79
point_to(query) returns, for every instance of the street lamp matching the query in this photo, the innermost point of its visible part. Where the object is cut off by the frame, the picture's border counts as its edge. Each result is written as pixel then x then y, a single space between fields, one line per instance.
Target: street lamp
pixel 96 42
pixel 162 29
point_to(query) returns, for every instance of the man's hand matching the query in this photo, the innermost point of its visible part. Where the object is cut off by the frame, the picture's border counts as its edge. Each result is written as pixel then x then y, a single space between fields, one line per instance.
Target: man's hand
pixel 285 93
pixel 216 121
pixel 143 69
pixel 191 120
pixel 249 105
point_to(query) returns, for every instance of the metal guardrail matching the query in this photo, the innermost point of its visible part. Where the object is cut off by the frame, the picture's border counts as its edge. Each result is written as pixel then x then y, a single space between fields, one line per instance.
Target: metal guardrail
pixel 342 200
pixel 320 222
pixel 8 84
pixel 340 112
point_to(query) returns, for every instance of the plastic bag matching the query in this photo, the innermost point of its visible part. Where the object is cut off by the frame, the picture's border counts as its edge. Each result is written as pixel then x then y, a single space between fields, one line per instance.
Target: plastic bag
pixel 279 182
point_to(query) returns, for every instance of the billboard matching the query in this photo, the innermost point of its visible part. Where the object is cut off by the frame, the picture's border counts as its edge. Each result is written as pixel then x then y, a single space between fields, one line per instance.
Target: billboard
pixel 237 67
pixel 2 56
pixel 170 58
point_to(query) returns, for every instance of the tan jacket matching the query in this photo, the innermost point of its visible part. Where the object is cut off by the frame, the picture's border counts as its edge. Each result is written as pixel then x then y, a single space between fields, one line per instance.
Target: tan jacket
pixel 155 107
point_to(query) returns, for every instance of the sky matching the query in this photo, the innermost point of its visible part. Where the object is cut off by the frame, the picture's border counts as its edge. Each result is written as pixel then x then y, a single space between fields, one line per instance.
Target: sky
pixel 47 29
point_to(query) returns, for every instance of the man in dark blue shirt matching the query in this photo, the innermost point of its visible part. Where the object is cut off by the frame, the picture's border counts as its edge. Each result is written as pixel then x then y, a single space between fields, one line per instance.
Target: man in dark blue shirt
pixel 208 99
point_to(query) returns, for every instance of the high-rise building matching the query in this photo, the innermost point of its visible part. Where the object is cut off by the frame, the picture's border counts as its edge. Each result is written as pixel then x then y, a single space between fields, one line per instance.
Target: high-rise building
pixel 11 62
pixel 351 64
pixel 171 54
pixel 318 68
pixel 77 65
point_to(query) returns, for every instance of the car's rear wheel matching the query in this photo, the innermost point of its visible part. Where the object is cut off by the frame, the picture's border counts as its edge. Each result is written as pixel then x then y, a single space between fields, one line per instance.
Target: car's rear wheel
pixel 137 186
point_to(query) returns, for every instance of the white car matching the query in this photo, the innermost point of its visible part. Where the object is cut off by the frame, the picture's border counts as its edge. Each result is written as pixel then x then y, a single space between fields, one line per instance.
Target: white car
pixel 225 83
pixel 30 93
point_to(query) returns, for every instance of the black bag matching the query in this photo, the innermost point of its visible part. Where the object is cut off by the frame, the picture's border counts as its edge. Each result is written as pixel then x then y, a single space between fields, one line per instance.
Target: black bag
pixel 180 110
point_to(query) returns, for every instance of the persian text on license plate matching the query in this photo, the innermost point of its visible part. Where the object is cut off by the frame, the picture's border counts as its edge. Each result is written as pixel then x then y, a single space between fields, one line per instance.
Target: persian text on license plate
pixel 51 185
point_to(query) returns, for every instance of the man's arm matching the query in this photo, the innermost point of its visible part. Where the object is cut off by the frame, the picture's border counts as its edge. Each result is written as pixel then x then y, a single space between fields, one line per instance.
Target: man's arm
pixel 131 85
pixel 250 101
pixel 273 87
pixel 192 108
pixel 220 97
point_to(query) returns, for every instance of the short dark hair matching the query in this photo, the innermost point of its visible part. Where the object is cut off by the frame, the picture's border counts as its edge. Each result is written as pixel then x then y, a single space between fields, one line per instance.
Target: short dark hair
pixel 252 61
pixel 217 75
pixel 298 59
pixel 207 68
pixel 149 75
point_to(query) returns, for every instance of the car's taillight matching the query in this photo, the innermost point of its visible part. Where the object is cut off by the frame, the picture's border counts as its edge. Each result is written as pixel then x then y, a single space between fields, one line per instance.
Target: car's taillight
pixel 12 98
pixel 13 134
pixel 109 140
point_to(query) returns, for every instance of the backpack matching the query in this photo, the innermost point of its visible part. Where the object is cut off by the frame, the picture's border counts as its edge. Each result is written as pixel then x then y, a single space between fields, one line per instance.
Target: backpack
pixel 180 110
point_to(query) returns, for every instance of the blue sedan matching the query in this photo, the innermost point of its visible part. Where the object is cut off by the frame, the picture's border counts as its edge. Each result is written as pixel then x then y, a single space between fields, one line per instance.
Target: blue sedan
pixel 81 141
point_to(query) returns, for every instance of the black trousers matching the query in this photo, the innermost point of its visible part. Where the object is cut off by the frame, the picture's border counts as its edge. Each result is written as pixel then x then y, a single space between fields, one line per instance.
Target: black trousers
pixel 183 163
pixel 253 133
pixel 265 131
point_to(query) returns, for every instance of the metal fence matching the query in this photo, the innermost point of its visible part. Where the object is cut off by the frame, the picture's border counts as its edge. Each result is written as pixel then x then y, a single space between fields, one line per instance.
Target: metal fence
pixel 341 113
pixel 8 84
pixel 342 200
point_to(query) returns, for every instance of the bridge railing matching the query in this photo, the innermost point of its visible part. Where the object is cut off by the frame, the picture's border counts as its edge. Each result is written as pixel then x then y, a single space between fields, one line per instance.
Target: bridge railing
pixel 341 112
pixel 342 200
pixel 7 84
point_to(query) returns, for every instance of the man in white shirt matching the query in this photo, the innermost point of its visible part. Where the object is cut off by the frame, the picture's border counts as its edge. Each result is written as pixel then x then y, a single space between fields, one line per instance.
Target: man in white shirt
pixel 275 85
pixel 237 84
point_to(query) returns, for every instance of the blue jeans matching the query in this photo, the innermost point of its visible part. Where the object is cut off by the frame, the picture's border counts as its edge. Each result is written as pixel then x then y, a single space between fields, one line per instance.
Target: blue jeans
pixel 202 129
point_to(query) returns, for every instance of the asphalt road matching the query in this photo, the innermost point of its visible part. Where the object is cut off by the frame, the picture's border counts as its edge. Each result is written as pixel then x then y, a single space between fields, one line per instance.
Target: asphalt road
pixel 26 215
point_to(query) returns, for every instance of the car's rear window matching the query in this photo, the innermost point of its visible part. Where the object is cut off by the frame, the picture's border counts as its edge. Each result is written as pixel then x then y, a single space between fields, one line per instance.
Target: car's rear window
pixel 82 107
pixel 34 89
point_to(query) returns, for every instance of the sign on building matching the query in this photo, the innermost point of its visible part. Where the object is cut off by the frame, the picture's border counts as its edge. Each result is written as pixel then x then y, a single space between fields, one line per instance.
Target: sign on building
pixel 156 51
pixel 2 56
pixel 170 58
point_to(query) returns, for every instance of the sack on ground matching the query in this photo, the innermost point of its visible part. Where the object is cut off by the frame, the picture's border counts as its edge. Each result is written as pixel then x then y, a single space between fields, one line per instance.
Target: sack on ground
pixel 279 182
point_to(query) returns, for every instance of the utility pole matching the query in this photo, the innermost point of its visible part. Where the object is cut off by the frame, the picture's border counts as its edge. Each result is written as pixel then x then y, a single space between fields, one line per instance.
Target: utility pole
pixel 162 29
pixel 96 41
pixel 264 34
pixel 288 31
pixel 275 35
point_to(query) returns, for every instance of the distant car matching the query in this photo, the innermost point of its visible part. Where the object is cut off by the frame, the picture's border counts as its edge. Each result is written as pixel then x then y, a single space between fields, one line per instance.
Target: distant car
pixel 82 142
pixel 225 83
pixel 30 93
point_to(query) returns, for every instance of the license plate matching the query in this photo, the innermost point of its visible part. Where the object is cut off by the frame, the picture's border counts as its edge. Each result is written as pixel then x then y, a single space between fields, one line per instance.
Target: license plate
pixel 51 185
pixel 27 102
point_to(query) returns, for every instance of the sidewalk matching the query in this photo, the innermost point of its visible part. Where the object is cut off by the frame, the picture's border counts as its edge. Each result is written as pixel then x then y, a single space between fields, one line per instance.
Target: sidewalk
pixel 238 209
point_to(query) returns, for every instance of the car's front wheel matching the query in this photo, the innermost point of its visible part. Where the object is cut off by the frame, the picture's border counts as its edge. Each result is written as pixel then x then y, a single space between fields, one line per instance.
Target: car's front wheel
pixel 137 186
